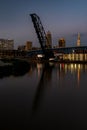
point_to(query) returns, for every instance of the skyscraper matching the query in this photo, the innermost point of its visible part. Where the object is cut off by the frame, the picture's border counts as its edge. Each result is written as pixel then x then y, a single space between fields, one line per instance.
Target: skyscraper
pixel 62 42
pixel 78 40
pixel 28 45
pixel 49 40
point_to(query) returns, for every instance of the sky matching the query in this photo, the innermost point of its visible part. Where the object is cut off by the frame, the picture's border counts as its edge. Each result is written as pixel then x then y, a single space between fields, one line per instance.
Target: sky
pixel 63 18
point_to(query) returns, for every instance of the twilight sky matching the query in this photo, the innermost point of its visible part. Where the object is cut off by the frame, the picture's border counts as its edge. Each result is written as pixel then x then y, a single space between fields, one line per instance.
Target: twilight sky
pixel 63 18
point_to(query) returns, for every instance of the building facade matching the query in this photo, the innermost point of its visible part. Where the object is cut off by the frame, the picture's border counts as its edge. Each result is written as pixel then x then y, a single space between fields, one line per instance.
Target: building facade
pixel 72 53
pixel 6 44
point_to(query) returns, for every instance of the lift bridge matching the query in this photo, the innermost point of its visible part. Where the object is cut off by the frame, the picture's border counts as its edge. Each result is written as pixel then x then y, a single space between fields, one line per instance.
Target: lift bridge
pixel 48 53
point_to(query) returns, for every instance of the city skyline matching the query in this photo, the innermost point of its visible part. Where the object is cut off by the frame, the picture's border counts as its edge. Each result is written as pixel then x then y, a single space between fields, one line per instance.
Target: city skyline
pixel 62 18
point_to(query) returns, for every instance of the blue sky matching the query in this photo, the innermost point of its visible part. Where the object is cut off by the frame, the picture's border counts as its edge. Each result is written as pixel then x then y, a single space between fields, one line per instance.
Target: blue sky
pixel 63 18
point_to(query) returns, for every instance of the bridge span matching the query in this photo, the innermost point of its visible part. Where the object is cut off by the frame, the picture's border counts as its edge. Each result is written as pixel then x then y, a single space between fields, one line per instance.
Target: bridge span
pixel 71 53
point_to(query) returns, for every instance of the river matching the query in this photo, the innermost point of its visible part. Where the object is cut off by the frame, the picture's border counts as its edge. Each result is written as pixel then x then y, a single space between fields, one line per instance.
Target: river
pixel 44 96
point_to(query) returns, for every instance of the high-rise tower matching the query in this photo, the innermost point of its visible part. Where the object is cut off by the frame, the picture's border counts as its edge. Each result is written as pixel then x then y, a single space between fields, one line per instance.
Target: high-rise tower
pixel 78 40
pixel 62 42
pixel 49 40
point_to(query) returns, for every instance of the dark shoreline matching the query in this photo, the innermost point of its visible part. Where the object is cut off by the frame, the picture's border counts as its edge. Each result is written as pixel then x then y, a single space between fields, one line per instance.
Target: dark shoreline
pixel 17 68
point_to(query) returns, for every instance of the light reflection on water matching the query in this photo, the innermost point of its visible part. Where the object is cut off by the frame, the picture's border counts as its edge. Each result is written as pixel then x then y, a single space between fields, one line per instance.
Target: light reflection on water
pixel 45 96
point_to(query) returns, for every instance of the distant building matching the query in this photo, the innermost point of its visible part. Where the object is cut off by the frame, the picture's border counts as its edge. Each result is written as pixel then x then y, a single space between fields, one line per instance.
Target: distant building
pixel 28 45
pixel 49 40
pixel 6 44
pixel 21 48
pixel 36 48
pixel 78 40
pixel 61 42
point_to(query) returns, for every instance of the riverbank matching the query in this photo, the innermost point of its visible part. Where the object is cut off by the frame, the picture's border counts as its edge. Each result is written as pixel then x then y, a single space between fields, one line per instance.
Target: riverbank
pixel 13 67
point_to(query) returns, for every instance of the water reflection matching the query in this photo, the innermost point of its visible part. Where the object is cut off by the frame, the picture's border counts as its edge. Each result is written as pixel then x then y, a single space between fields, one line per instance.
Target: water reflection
pixel 46 94
pixel 45 73
pixel 75 70
pixel 62 102
pixel 45 70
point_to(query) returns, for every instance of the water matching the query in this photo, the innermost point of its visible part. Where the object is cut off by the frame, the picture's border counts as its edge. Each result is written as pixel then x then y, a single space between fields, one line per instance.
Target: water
pixel 44 96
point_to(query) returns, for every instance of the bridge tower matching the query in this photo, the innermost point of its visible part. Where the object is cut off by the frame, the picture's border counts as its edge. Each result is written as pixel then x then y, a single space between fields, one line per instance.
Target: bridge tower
pixel 41 35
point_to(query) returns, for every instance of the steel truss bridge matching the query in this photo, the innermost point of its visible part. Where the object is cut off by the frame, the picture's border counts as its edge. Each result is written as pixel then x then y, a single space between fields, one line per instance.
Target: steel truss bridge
pixel 39 29
pixel 66 50
pixel 49 53
pixel 32 53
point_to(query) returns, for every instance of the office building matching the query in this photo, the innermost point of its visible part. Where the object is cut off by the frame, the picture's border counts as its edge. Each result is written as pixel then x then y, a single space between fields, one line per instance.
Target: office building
pixel 61 42
pixel 78 40
pixel 28 45
pixel 49 40
pixel 21 47
pixel 6 44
